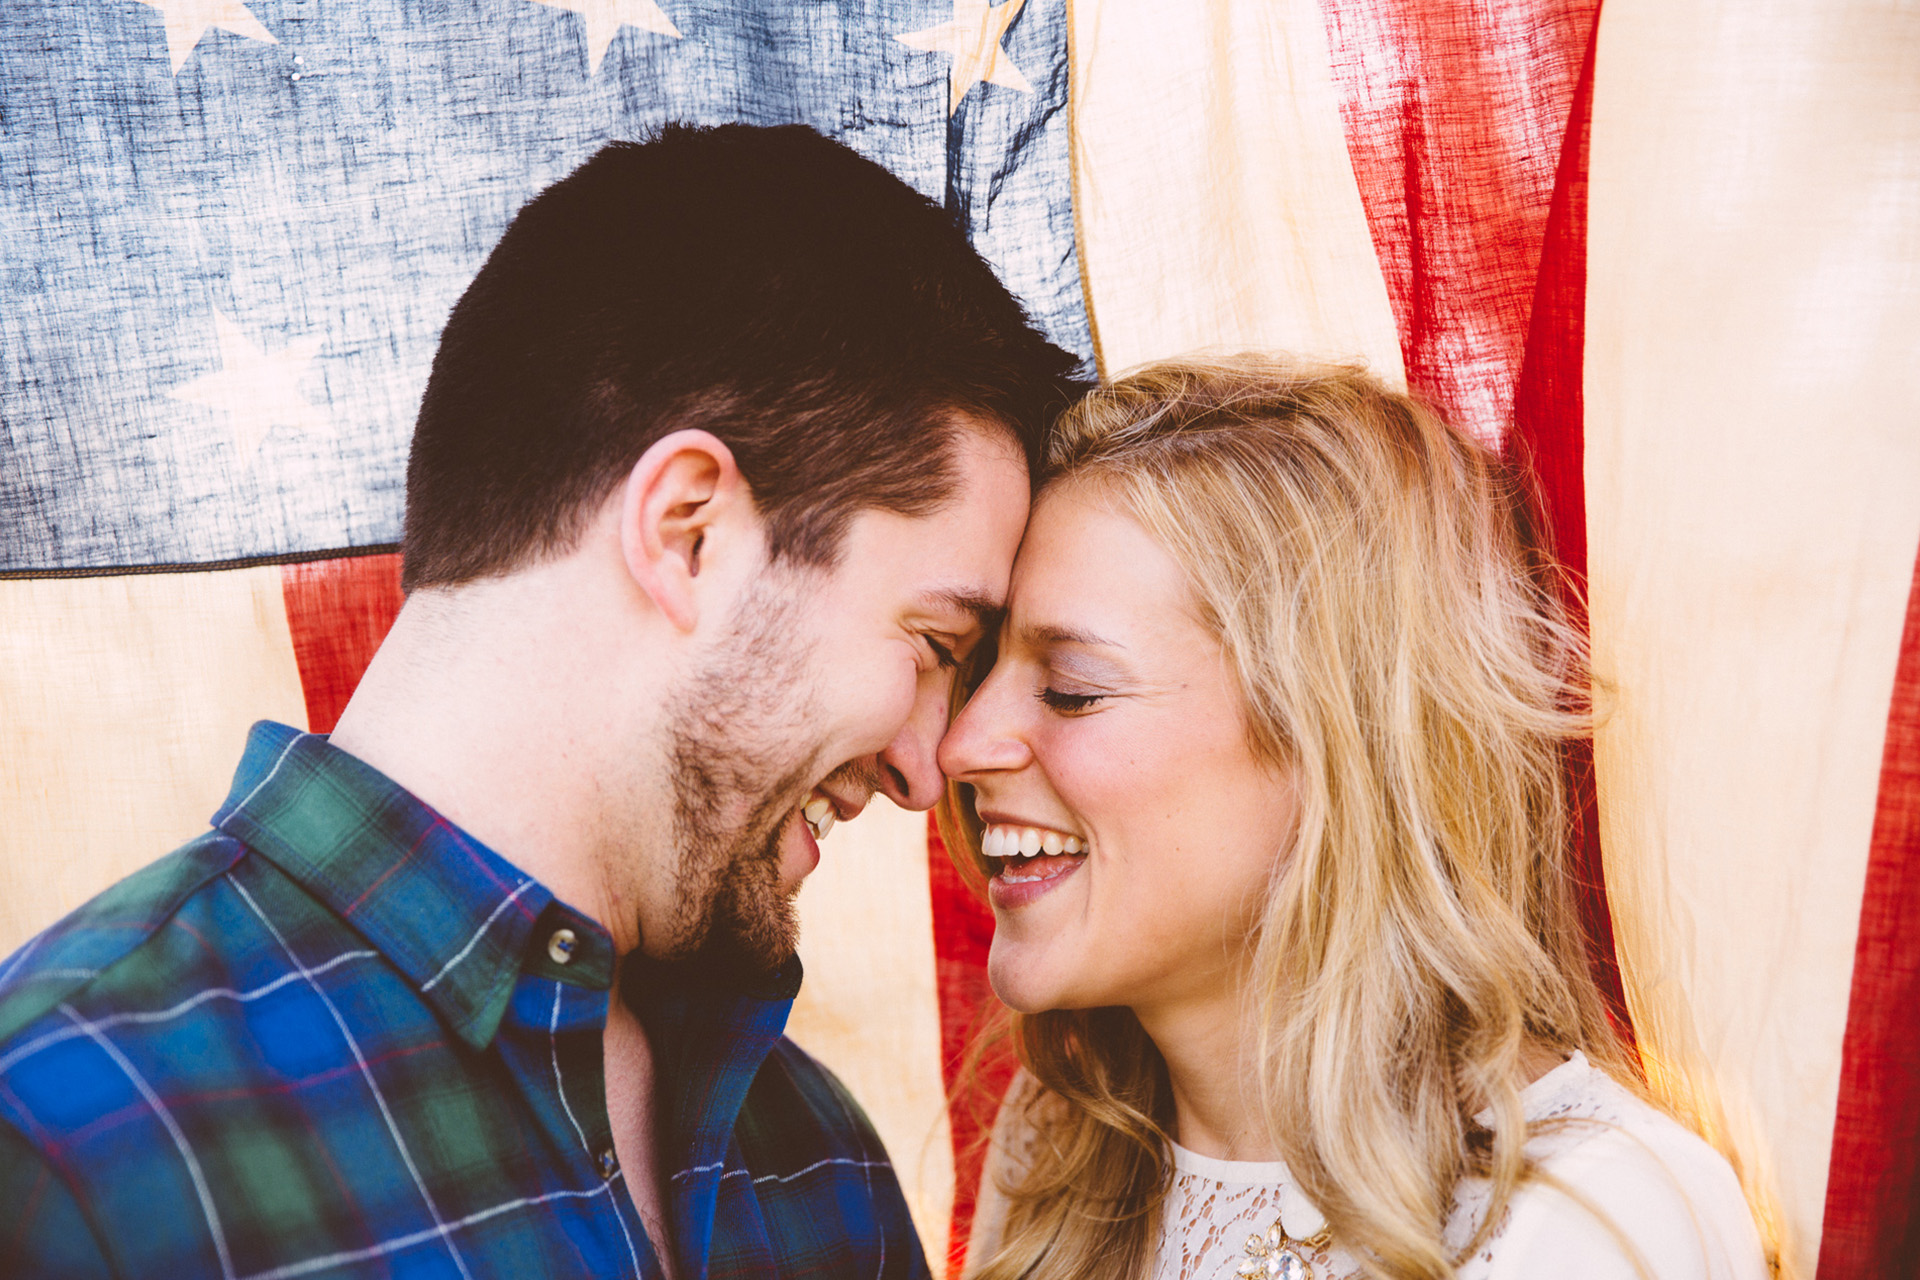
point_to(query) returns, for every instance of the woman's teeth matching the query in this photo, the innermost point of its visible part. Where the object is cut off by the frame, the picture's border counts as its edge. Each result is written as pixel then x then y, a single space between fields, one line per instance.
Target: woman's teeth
pixel 819 815
pixel 1029 845
pixel 1025 842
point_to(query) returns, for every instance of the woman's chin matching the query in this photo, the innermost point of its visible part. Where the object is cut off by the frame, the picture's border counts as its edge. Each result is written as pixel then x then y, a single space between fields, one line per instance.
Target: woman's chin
pixel 1026 983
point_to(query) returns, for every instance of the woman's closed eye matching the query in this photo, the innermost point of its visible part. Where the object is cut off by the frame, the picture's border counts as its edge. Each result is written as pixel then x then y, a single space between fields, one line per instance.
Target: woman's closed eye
pixel 1068 703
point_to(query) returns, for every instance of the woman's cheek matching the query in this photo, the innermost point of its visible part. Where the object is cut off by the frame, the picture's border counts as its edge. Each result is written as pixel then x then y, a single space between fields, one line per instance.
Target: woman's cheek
pixel 1093 767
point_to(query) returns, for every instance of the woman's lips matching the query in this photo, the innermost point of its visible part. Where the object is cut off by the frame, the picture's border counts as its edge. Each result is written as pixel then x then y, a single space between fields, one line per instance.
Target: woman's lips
pixel 1027 860
pixel 1024 880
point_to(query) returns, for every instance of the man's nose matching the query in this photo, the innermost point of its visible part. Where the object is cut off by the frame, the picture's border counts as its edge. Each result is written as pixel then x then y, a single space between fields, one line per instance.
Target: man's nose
pixel 909 773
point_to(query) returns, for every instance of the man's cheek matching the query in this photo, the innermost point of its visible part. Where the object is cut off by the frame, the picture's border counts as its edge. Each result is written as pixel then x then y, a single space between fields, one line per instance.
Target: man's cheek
pixel 873 709
pixel 917 703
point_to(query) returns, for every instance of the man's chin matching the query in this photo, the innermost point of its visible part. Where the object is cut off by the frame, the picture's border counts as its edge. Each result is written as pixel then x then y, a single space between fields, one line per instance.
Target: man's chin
pixel 763 934
pixel 736 895
pixel 754 918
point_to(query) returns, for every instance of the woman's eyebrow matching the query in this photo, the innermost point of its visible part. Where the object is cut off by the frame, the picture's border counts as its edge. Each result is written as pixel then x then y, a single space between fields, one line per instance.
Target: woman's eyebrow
pixel 1049 636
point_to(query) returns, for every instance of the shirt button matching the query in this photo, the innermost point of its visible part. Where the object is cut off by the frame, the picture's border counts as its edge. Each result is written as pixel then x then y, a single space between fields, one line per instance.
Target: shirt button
pixel 560 945
pixel 609 1163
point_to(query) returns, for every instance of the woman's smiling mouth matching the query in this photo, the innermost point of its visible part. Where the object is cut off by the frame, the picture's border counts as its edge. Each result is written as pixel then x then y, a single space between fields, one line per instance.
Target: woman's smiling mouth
pixel 1028 861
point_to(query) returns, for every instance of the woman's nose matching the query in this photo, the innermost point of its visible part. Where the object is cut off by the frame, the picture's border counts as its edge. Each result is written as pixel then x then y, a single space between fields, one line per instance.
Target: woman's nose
pixel 986 736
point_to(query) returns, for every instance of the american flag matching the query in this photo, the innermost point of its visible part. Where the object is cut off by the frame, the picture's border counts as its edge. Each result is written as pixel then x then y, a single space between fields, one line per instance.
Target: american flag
pixel 1666 249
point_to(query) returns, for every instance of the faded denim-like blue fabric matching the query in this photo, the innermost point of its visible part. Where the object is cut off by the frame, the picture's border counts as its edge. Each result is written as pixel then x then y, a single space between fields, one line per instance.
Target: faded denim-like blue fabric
pixel 229 249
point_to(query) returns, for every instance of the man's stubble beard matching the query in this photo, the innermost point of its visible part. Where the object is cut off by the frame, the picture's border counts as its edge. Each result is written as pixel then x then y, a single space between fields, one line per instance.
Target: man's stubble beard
pixel 737 740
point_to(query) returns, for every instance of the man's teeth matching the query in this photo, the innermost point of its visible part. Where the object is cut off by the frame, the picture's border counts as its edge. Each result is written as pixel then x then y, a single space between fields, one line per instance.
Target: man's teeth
pixel 1000 841
pixel 819 816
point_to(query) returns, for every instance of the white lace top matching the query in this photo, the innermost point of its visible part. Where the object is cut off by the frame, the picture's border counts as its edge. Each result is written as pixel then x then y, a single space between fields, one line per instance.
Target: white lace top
pixel 1673 1200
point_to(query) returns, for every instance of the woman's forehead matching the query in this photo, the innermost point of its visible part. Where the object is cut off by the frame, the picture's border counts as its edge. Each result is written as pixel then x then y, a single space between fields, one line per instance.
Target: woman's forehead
pixel 1091 575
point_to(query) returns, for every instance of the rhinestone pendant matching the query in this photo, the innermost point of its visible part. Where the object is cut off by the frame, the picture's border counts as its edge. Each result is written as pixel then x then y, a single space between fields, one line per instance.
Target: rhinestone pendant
pixel 1274 1256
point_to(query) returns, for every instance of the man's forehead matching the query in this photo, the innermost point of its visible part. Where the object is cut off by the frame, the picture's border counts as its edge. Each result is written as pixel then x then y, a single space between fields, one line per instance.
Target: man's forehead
pixel 952 562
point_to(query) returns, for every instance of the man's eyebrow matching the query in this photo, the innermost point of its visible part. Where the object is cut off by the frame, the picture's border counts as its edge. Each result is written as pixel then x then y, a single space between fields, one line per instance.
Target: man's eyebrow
pixel 1046 635
pixel 981 607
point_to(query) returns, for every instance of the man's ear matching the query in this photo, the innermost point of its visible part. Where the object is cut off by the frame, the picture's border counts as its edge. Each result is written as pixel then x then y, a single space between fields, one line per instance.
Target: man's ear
pixel 676 494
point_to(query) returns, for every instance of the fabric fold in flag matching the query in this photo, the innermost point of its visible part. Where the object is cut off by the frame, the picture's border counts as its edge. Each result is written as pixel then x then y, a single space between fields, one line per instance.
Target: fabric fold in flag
pixel 1872 1222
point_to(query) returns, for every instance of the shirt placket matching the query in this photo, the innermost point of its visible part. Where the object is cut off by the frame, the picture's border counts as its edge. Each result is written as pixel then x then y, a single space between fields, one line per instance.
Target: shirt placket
pixel 710 1040
pixel 557 1029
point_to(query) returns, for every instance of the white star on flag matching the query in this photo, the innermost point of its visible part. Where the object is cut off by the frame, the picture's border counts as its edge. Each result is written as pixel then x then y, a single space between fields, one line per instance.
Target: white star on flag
pixel 188 20
pixel 257 390
pixel 606 17
pixel 973 38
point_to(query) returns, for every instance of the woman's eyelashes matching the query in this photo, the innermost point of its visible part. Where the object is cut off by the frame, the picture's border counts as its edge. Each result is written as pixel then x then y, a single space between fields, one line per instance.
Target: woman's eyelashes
pixel 1068 703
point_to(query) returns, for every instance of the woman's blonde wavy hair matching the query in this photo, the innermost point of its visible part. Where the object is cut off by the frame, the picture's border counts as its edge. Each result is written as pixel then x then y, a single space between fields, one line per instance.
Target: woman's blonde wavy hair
pixel 1401 647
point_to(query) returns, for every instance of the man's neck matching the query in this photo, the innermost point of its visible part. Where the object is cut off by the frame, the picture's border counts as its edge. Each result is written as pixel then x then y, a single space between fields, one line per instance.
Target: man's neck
pixel 632 1111
pixel 519 709
pixel 499 705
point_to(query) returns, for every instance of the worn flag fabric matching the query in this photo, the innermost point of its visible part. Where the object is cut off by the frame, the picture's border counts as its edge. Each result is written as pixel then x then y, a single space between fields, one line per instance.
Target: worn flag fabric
pixel 233 232
pixel 1663 249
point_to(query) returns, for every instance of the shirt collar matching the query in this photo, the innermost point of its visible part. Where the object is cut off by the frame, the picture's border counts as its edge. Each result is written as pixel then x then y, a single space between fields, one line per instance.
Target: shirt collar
pixel 461 922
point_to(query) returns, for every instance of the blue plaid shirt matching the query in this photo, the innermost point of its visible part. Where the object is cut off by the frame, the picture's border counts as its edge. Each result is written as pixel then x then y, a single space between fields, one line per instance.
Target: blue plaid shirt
pixel 338 1037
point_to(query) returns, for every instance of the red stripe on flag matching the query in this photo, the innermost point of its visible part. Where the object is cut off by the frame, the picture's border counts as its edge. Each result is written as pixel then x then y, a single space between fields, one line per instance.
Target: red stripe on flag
pixel 339 612
pixel 1468 128
pixel 1455 112
pixel 1872 1225
pixel 962 936
pixel 1549 434
pixel 1549 411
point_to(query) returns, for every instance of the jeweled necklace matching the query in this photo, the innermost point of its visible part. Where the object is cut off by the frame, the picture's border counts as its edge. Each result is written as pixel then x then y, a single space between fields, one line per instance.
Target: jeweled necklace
pixel 1279 1256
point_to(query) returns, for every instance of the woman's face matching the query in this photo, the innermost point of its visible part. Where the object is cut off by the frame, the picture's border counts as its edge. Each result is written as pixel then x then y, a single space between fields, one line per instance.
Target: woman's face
pixel 1112 725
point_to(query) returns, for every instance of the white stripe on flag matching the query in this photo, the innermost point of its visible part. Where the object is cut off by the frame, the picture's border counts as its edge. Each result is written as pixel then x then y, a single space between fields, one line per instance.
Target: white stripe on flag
pixel 1753 482
pixel 1216 203
pixel 124 705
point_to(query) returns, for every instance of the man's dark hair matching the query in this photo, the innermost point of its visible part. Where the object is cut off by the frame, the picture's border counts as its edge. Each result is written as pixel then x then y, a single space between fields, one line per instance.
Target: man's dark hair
pixel 808 308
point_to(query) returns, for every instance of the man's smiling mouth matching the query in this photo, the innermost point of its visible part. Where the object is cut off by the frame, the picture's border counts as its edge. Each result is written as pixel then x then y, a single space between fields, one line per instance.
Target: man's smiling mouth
pixel 818 811
pixel 822 810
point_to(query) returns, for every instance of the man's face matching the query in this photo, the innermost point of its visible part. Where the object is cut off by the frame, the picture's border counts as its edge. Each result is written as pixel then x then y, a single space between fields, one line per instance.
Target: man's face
pixel 831 685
